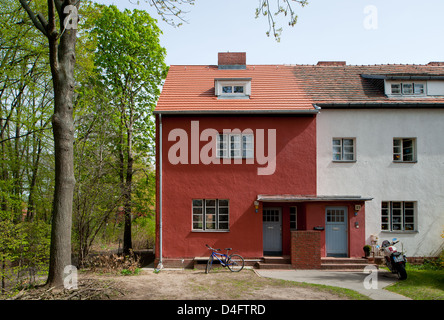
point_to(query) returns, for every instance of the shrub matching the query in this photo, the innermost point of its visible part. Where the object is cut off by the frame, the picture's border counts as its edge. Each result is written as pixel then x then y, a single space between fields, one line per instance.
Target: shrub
pixel 113 263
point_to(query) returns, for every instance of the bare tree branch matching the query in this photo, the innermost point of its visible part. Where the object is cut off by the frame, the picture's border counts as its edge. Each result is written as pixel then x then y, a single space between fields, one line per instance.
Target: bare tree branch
pixel 58 5
pixel 284 7
pixel 33 17
pixel 169 10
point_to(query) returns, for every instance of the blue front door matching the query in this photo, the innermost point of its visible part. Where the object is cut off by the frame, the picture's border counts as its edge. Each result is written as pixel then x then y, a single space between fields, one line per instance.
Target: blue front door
pixel 336 231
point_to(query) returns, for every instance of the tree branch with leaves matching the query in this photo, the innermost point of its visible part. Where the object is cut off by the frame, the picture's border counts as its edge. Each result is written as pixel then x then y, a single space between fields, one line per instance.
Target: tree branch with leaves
pixel 282 7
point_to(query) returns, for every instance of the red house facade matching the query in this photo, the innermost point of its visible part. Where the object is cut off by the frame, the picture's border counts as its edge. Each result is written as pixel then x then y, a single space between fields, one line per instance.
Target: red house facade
pixel 236 167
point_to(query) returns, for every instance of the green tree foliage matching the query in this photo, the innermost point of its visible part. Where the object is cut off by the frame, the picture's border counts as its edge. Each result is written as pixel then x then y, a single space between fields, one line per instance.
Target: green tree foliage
pixel 131 65
pixel 26 163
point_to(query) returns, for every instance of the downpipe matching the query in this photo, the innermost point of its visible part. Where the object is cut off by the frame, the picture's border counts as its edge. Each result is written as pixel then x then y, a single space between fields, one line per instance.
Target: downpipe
pixel 160 265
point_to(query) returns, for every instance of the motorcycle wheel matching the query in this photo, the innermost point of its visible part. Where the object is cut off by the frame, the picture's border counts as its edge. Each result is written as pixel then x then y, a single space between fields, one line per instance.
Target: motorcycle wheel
pixel 402 274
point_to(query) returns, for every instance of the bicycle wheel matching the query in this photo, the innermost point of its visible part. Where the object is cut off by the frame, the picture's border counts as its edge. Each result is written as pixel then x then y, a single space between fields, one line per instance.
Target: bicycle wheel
pixel 235 263
pixel 209 264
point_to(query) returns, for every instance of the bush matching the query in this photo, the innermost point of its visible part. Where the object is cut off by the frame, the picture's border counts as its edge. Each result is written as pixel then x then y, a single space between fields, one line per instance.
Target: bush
pixel 143 233
pixel 113 263
pixel 24 252
pixel 435 264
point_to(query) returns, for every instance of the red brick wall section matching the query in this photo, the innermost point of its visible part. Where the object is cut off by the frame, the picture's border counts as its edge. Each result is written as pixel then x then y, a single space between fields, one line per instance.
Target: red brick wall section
pixel 306 249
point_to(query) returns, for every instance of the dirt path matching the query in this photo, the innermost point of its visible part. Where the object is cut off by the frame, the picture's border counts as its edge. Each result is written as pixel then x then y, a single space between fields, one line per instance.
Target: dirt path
pixel 218 285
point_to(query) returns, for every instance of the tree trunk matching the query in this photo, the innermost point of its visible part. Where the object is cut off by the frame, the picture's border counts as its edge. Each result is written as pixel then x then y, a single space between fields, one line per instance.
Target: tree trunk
pixel 35 165
pixel 127 240
pixel 62 60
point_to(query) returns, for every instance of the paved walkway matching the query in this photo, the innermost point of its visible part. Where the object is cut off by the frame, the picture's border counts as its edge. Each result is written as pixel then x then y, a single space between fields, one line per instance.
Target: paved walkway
pixel 357 281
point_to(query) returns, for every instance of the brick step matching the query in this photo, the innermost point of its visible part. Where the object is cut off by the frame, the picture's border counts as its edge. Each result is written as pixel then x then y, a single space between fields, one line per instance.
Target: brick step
pixel 277 260
pixel 345 263
pixel 275 266
pixel 272 262
pixel 346 266
pixel 328 260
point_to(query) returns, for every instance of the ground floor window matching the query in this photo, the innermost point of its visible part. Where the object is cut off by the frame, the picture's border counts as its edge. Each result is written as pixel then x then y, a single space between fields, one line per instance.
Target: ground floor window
pixel 211 214
pixel 398 215
pixel 293 218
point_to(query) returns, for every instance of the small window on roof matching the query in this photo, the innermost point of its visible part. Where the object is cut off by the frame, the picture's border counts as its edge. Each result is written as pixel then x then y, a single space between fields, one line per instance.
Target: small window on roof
pixel 233 88
pixel 408 89
pixel 396 88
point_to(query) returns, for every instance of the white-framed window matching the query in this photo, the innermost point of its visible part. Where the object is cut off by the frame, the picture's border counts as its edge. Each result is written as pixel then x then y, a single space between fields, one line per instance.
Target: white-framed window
pixel 233 88
pixel 235 145
pixel 398 216
pixel 344 149
pixel 211 214
pixel 404 149
pixel 293 218
pixel 408 88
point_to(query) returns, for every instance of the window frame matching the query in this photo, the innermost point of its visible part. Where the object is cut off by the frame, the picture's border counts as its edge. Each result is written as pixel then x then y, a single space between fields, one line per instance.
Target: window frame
pixel 245 148
pixel 405 213
pixel 244 83
pixel 293 218
pixel 342 153
pixel 401 152
pixel 402 91
pixel 220 211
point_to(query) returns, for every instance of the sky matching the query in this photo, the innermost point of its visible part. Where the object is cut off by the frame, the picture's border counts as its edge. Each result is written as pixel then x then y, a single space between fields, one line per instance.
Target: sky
pixel 360 32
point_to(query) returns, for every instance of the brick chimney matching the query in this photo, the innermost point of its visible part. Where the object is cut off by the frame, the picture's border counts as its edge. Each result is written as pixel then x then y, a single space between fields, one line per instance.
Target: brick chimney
pixel 232 60
pixel 331 63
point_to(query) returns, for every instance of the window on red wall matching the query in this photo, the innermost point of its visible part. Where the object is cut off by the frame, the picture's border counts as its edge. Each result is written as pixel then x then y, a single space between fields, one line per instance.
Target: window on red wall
pixel 235 146
pixel 211 214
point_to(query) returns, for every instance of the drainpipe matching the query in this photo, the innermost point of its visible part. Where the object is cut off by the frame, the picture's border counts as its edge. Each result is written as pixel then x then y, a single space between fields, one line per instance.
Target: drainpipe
pixel 160 265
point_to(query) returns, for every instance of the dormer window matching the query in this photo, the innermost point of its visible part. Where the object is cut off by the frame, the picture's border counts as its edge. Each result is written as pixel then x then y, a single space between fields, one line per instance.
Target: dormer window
pixel 232 89
pixel 239 88
pixel 408 89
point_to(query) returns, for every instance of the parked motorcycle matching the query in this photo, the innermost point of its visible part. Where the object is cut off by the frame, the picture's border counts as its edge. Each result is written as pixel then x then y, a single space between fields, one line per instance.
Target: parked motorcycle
pixel 394 260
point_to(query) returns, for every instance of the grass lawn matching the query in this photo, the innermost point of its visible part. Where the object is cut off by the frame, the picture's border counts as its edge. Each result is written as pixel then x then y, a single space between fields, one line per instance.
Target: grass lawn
pixel 421 284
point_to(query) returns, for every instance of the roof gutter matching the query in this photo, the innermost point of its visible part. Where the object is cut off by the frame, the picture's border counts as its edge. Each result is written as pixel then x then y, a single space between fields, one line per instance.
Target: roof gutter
pixel 402 77
pixel 387 105
pixel 226 112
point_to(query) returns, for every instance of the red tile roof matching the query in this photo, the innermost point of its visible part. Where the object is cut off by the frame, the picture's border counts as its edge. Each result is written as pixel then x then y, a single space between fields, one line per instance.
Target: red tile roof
pixel 272 88
pixel 289 88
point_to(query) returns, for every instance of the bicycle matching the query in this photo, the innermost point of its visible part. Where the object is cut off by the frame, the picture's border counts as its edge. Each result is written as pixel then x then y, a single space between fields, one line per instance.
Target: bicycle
pixel 234 262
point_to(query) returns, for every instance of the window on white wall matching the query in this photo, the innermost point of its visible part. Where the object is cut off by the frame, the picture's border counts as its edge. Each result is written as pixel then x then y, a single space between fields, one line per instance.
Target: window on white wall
pixel 404 149
pixel 398 216
pixel 344 149
pixel 407 88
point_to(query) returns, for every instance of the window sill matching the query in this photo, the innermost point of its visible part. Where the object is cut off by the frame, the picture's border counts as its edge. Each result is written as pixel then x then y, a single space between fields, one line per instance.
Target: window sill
pixel 400 231
pixel 235 158
pixel 207 231
pixel 227 97
pixel 344 161
pixel 414 161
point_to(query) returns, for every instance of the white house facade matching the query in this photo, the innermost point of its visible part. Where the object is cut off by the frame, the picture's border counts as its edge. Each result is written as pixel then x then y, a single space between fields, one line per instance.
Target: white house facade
pixel 394 156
